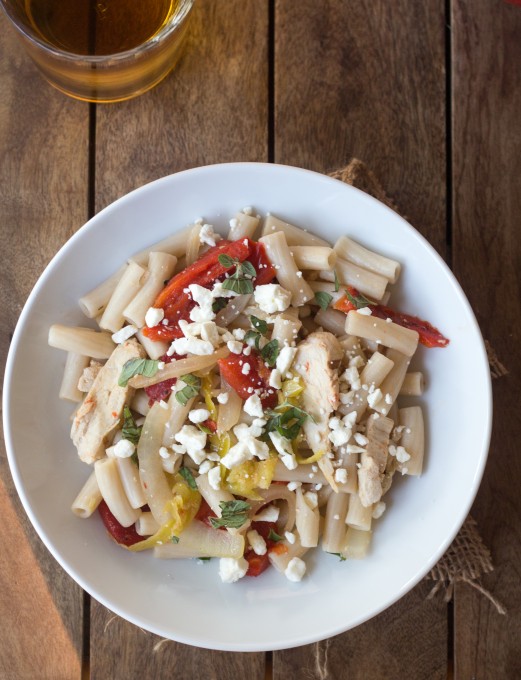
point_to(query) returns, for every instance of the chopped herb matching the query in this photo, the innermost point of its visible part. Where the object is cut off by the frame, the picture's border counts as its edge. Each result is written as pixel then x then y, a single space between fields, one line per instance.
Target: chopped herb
pixel 288 423
pixel 340 556
pixel 259 324
pixel 130 430
pixel 146 367
pixel 233 514
pixel 323 299
pixel 273 536
pixel 134 458
pixel 239 286
pixel 218 304
pixel 337 282
pixel 359 301
pixel 241 280
pixel 174 539
pixel 187 475
pixel 193 385
pixel 270 352
pixel 204 428
pixel 253 338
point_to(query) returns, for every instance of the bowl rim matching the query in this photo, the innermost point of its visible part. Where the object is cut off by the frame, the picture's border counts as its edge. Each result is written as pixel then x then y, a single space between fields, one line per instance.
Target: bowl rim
pixel 143 621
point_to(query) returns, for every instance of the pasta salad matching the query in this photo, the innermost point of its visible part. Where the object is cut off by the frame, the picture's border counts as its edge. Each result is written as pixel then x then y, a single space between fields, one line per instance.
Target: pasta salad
pixel 241 398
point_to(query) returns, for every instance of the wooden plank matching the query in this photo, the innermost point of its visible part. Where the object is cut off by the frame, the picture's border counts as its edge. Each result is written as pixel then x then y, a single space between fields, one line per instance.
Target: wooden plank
pixel 213 108
pixel 366 79
pixel 486 94
pixel 43 175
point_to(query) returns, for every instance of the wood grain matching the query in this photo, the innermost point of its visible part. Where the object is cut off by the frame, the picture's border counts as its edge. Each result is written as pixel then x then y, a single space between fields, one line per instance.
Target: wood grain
pixel 486 53
pixel 365 78
pixel 212 108
pixel 353 80
pixel 43 199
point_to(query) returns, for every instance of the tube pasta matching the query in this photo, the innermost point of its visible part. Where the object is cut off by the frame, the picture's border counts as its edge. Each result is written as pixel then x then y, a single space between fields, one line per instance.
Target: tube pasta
pixel 74 367
pixel 280 256
pixel 242 226
pixel 212 496
pixel 331 320
pixel 146 525
pixel 281 560
pixel 285 329
pixel 358 516
pixel 88 498
pixel 302 473
pixel 178 415
pixel 93 304
pixel 334 536
pixel 314 257
pixel 173 245
pixel 294 235
pixel 193 244
pixel 357 544
pixel 232 310
pixel 390 387
pixel 413 438
pixel 198 540
pixel 351 251
pixel 160 268
pixel 368 283
pixel 84 341
pixel 385 333
pixel 413 384
pixel 126 289
pixel 129 475
pixel 228 414
pixel 111 488
pixel 154 349
pixel 140 402
pixel 307 521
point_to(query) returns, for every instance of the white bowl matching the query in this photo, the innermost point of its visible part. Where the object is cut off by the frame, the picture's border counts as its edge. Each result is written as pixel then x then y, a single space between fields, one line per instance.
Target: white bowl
pixel 186 601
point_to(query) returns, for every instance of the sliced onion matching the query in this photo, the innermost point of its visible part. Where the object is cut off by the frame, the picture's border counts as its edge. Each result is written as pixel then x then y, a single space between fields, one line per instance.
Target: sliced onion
pixel 199 540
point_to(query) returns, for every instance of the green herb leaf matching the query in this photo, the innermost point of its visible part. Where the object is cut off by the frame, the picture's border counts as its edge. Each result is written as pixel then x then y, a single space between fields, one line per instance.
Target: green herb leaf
pixel 193 385
pixel 247 269
pixel 227 261
pixel 270 352
pixel 259 324
pixel 146 367
pixel 253 338
pixel 174 539
pixel 359 301
pixel 130 430
pixel 287 423
pixel 239 286
pixel 218 304
pixel 187 475
pixel 233 514
pixel 342 558
pixel 337 282
pixel 273 536
pixel 323 299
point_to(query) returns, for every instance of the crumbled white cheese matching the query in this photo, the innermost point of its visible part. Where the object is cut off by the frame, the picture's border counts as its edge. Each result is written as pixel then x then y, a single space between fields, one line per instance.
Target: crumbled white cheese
pixel 275 379
pixel 388 399
pixel 311 499
pixel 183 346
pixel 245 369
pixel 401 455
pixel 205 466
pixel 231 570
pixel 365 311
pixel 164 452
pixel 253 406
pixel 194 440
pixel 356 361
pixel 154 316
pixel 283 447
pixel 198 415
pixel 341 475
pixel 295 570
pixel 234 346
pixel 272 298
pixel 290 538
pixel 239 333
pixel 124 448
pixel 340 432
pixel 219 292
pixel 214 478
pixel 293 486
pixel 207 235
pixel 352 377
pixel 124 334
pixel 285 359
pixel 270 513
pixel 374 397
pixel 204 299
pixel 257 543
pixel 360 439
pixel 223 397
pixel 237 455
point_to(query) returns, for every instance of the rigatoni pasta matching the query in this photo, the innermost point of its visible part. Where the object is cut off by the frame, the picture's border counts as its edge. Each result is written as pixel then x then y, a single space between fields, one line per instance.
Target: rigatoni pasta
pixel 245 403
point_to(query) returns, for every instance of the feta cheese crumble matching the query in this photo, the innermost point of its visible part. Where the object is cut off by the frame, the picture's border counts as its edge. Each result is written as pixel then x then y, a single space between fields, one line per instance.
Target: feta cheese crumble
pixel 272 298
pixel 231 570
pixel 295 570
pixel 124 448
pixel 124 334
pixel 154 316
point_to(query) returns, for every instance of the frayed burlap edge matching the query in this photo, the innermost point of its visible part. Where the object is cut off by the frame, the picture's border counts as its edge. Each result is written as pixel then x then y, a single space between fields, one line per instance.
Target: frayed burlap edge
pixel 467 558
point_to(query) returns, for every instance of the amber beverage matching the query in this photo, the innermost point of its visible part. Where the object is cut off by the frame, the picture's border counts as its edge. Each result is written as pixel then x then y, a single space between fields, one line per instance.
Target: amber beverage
pixel 102 50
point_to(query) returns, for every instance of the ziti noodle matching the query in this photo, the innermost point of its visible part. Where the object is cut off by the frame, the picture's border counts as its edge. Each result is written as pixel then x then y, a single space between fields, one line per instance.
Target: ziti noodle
pixel 239 399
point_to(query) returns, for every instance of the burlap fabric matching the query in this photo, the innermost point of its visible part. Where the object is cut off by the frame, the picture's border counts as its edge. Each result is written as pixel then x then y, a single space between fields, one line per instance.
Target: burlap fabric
pixel 468 558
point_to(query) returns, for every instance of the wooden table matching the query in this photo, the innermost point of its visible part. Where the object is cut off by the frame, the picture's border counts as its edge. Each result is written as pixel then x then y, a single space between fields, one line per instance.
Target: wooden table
pixel 428 94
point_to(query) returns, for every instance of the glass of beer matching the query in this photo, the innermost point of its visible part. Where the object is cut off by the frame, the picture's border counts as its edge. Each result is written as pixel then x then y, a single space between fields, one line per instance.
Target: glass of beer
pixel 102 50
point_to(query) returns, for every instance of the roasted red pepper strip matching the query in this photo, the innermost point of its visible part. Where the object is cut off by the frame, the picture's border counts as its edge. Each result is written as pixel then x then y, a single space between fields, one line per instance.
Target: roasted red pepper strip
pixel 429 335
pixel 177 304
pixel 259 563
pixel 258 377
pixel 123 535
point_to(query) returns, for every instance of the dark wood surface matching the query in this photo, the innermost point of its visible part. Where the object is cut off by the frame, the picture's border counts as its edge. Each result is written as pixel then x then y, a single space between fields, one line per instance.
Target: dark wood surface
pixel 428 94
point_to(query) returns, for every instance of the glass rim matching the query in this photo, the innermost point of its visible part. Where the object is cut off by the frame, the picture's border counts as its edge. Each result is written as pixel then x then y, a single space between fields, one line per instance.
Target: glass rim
pixel 180 15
